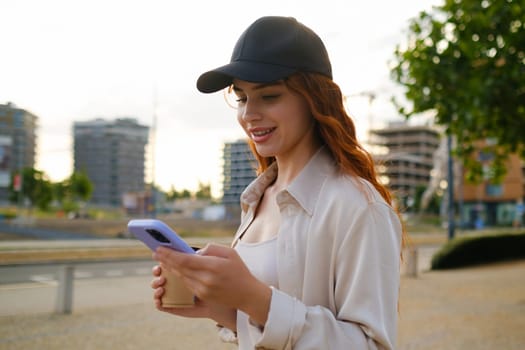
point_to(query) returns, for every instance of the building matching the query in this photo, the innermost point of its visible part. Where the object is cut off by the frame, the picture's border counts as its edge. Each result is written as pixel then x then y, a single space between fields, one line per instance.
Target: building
pixel 494 204
pixel 112 154
pixel 17 144
pixel 239 167
pixel 405 158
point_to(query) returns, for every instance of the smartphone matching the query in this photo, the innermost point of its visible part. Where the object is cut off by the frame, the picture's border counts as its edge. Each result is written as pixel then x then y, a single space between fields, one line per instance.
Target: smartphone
pixel 155 233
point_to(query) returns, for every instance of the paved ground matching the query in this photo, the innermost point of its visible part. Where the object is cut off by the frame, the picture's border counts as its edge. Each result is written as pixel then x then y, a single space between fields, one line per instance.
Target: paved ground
pixel 470 308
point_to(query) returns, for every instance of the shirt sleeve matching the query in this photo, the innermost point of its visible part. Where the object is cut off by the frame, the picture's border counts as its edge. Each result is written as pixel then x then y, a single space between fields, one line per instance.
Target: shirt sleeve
pixel 366 293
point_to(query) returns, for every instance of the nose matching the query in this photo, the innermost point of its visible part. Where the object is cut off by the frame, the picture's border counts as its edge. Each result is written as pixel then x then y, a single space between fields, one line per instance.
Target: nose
pixel 249 112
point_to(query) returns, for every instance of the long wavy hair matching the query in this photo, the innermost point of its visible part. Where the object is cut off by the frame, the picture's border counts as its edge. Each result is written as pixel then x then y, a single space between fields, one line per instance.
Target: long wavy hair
pixel 335 128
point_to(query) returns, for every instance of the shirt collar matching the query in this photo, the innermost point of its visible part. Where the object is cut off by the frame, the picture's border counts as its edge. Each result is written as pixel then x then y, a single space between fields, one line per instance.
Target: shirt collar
pixel 304 189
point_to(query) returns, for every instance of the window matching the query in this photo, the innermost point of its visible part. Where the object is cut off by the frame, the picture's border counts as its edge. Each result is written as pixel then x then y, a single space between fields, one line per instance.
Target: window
pixel 493 190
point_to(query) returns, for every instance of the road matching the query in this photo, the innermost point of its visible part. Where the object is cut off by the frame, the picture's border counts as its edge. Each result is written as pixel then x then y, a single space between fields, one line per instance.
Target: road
pixel 47 273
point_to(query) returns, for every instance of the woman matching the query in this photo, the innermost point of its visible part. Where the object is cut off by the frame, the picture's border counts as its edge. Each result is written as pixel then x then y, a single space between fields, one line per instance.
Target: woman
pixel 315 261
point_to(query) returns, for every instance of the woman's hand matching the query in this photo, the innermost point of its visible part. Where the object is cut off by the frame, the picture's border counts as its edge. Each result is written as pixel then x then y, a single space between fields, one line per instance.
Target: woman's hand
pixel 217 275
pixel 223 315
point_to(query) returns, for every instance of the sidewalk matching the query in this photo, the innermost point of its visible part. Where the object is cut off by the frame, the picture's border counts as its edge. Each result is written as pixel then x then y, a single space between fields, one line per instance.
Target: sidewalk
pixel 471 308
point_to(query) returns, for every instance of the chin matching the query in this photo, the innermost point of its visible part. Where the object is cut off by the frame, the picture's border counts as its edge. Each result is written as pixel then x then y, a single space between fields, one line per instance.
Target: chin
pixel 265 152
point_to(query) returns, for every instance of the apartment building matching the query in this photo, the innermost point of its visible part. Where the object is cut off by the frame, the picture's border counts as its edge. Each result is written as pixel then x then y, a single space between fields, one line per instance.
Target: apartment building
pixel 239 167
pixel 404 155
pixel 17 144
pixel 112 154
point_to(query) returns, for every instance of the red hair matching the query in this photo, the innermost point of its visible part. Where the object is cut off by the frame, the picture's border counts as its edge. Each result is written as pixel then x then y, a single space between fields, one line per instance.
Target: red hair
pixel 335 128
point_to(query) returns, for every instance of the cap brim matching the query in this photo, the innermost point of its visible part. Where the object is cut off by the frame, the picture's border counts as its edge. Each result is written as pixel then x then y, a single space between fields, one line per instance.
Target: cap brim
pixel 254 72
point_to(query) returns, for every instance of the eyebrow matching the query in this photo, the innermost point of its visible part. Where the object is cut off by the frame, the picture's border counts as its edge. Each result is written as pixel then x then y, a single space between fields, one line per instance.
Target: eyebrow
pixel 259 86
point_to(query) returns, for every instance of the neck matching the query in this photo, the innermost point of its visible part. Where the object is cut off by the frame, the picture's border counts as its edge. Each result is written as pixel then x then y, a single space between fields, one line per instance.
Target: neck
pixel 290 166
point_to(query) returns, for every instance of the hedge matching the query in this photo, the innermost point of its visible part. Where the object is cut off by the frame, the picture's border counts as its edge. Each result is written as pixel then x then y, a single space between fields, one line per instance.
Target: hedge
pixel 467 251
pixel 7 214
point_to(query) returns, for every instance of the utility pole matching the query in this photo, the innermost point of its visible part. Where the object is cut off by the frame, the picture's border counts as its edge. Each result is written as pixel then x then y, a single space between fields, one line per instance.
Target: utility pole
pixel 153 142
pixel 450 188
pixel 19 182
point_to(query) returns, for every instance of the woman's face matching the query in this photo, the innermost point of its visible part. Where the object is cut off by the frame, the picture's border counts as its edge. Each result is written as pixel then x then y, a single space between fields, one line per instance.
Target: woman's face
pixel 276 119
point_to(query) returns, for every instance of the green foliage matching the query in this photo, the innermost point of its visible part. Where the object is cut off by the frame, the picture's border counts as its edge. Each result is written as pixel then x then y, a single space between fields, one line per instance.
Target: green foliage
pixel 465 61
pixel 173 194
pixel 204 191
pixel 433 204
pixel 59 191
pixel 70 192
pixel 79 186
pixel 35 187
pixel 41 192
pixel 7 214
pixel 480 249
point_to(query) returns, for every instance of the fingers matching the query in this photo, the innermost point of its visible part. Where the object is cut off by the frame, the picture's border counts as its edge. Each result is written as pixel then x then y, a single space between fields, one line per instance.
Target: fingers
pixel 180 263
pixel 158 282
pixel 210 272
pixel 156 270
pixel 159 292
pixel 163 254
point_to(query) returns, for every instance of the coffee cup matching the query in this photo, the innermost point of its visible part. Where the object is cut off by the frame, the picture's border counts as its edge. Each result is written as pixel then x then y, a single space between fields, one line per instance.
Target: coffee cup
pixel 176 294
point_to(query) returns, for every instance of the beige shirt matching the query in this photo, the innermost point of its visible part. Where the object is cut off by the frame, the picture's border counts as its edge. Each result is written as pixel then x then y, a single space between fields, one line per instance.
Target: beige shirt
pixel 338 257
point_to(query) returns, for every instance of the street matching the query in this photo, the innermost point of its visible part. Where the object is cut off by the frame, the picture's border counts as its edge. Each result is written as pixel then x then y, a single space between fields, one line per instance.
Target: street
pixel 47 273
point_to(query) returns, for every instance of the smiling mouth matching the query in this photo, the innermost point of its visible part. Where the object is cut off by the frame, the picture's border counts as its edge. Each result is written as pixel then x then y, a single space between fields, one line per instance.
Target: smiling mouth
pixel 260 133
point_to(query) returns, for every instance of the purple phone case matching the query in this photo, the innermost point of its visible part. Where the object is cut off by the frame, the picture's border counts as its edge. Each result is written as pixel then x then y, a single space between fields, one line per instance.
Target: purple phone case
pixel 140 227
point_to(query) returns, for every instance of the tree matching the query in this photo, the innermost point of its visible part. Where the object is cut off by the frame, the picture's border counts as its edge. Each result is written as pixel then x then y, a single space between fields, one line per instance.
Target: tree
pixel 173 194
pixel 59 191
pixel 79 186
pixel 465 61
pixel 35 187
pixel 204 191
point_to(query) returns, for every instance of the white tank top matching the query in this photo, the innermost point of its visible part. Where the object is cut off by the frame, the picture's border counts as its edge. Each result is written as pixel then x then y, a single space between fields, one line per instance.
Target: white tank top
pixel 261 260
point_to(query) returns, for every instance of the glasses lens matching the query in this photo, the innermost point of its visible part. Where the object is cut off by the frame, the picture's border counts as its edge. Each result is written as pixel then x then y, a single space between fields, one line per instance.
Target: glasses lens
pixel 230 97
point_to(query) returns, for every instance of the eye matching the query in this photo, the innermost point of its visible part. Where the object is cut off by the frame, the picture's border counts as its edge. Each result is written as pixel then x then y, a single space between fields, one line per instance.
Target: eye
pixel 271 96
pixel 241 99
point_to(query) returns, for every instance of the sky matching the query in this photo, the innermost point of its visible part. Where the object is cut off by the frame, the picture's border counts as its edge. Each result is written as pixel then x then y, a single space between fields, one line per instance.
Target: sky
pixel 67 61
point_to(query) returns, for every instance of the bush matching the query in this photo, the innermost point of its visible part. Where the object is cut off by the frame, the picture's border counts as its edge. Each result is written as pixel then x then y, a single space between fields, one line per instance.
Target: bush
pixel 7 214
pixel 478 250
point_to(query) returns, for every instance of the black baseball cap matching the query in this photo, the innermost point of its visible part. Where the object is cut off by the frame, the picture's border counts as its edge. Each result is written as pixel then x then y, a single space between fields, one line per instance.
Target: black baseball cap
pixel 272 48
